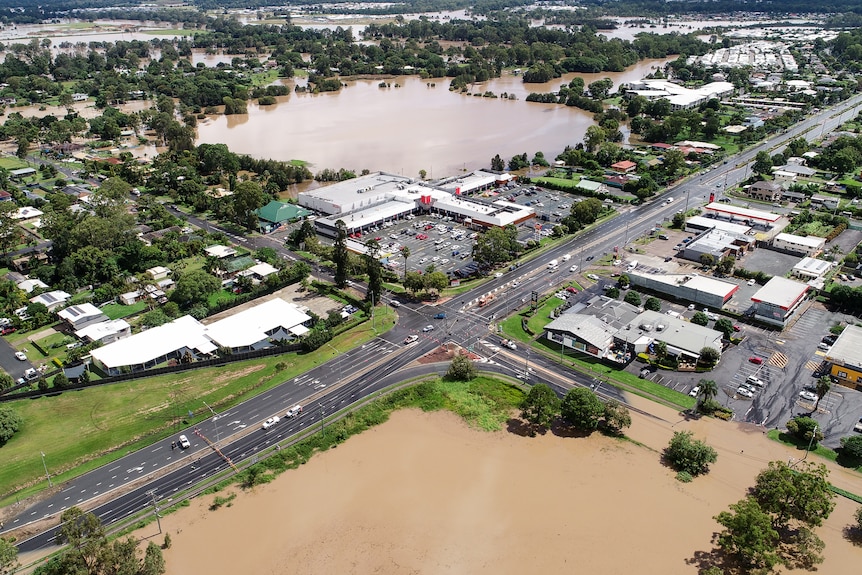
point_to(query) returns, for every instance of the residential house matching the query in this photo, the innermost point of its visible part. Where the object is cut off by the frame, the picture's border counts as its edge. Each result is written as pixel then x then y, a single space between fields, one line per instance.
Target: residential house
pixel 765 191
pixel 53 300
pixel 81 315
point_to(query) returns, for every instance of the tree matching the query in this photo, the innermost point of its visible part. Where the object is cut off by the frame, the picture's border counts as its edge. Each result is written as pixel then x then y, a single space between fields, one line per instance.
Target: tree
pixel 700 318
pixel 340 255
pixel 374 271
pixel 633 298
pixel 805 429
pixel 616 416
pixel 748 535
pixel 708 390
pixel 10 234
pixel 594 137
pixel 693 456
pixel 851 447
pixel 725 326
pixel 707 260
pixel 762 163
pixel 794 496
pixel 61 381
pixel 582 409
pixel 10 422
pixel 247 198
pixel 613 292
pixel 660 350
pixel 8 557
pixel 435 281
pixel 497 163
pixel 709 356
pixel 678 220
pixel 194 288
pixel 824 384
pixel 541 406
pixel 405 253
pixel 461 368
pixel 90 552
pixel 495 246
pixel 587 211
pixel 652 304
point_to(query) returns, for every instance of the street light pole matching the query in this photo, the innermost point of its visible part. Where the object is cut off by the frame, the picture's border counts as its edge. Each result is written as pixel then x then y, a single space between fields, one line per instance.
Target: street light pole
pixel 215 421
pixel 48 475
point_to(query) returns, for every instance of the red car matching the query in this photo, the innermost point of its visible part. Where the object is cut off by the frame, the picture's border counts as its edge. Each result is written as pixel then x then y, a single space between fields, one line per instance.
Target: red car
pixel 755 359
pixel 571 289
pixel 737 327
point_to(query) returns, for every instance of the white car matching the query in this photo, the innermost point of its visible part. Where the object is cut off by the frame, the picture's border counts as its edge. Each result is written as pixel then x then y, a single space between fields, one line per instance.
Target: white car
pixel 410 339
pixel 427 328
pixel 751 282
pixel 573 269
pixel 807 395
pixel 754 381
pixel 271 421
pixel 21 355
pixel 694 391
pixel 691 307
pixel 184 442
pixel 593 277
pixel 744 392
pixel 293 411
pixel 498 275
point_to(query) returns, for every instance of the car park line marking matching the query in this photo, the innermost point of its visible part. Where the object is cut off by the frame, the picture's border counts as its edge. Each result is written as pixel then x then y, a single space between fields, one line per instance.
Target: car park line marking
pixel 812 365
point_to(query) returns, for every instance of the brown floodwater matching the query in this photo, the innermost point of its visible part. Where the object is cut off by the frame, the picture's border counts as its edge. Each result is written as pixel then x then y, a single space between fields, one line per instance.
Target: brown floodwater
pixel 410 128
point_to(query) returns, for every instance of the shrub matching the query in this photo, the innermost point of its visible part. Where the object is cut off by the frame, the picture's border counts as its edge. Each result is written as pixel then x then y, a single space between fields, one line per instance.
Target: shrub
pixel 805 429
pixel 690 455
pixel 684 477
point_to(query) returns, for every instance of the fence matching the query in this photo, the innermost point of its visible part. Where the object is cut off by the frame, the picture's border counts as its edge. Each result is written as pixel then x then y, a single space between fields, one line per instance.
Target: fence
pixel 219 361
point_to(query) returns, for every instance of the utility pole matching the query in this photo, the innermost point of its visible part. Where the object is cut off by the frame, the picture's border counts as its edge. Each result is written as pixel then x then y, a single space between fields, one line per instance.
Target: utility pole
pixel 215 421
pixel 152 494
pixel 48 475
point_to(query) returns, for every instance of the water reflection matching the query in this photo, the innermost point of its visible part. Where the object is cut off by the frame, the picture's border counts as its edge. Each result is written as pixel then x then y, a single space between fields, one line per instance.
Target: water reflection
pixel 406 129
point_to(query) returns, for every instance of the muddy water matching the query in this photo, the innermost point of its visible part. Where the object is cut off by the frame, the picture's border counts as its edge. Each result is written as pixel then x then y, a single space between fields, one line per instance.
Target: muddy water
pixel 423 493
pixel 407 129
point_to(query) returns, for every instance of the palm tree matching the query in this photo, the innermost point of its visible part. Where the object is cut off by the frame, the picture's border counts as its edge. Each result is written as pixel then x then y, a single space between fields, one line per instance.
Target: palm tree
pixel 824 384
pixel 405 253
pixel 708 390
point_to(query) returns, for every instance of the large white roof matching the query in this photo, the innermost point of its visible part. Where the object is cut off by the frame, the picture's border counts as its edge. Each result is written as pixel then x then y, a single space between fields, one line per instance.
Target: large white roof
pixel 97 331
pixel 780 292
pixel 75 312
pixel 148 345
pixel 252 325
pixel 810 241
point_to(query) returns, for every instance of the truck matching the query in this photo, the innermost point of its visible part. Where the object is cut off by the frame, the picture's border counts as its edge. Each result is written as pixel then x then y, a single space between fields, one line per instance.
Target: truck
pixel 486 299
pixel 553 264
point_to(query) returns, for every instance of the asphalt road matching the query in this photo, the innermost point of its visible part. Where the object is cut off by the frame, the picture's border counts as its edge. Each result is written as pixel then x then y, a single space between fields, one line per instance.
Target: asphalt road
pixel 357 373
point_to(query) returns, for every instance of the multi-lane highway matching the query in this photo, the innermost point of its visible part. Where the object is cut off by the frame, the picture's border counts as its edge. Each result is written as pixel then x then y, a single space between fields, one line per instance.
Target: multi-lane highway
pixel 355 374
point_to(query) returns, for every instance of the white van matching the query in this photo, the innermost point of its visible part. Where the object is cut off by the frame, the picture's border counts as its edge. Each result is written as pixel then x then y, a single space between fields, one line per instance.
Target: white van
pixel 632 266
pixel 553 264
pixel 669 200
pixel 566 257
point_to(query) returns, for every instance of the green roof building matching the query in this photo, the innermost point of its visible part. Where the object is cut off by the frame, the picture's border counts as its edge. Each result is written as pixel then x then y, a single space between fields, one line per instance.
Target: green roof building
pixel 276 213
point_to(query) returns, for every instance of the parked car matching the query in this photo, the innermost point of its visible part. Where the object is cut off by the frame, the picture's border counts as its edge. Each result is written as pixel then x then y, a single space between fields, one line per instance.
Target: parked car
pixel 271 421
pixel 571 289
pixel 807 395
pixel 756 360
pixel 694 391
pixel 754 381
pixel 858 427
pixel 751 282
pixel 737 327
pixel 395 303
pixel 593 277
pixel 184 442
pixel 20 355
pixel 744 392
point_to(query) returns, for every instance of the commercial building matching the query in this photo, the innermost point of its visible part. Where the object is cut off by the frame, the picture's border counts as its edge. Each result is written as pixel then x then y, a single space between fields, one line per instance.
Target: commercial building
pixel 702 290
pixel 616 331
pixel 811 269
pixel 680 97
pixel 377 198
pixel 765 191
pixel 778 301
pixel 799 245
pixel 733 213
pixel 698 224
pixel 275 214
pixel 718 244
pixel 684 339
pixel 845 357
pixel 257 327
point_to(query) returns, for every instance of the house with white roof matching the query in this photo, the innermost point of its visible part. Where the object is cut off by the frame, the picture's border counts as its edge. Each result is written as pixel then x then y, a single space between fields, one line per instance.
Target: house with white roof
pixel 52 300
pixel 81 315
pixel 105 332
pixel 258 326
pixel 28 285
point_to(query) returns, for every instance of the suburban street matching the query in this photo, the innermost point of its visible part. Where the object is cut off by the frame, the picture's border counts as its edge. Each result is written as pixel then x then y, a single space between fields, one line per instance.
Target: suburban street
pixel 356 374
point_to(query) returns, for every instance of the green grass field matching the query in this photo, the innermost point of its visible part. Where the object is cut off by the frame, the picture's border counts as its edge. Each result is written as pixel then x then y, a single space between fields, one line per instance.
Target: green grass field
pixel 8 163
pixel 119 311
pixel 566 183
pixel 81 430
